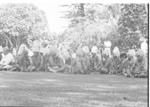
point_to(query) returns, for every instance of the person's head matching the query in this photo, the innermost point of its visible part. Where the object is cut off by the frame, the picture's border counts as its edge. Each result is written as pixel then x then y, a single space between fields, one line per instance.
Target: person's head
pixel 116 52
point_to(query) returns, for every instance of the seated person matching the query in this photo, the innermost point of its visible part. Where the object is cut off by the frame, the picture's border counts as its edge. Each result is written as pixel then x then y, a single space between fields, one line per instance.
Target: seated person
pixel 115 61
pixel 24 58
pixel 7 59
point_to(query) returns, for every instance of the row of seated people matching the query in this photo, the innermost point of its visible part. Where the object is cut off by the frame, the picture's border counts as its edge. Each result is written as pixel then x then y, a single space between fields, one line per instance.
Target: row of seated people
pixel 83 60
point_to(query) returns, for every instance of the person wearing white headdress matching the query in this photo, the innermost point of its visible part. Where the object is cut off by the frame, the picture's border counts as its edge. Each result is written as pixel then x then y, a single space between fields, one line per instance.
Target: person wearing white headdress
pixel 107 50
pixel 116 51
pixel 74 56
pixel 21 49
pixel 94 50
pixel 85 49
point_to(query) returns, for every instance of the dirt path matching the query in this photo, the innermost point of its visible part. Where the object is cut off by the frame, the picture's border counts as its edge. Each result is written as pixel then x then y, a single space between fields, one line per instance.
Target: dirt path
pixel 66 90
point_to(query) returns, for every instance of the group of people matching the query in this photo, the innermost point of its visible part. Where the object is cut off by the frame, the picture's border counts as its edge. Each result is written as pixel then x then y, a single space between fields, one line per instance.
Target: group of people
pixel 106 60
pixel 83 60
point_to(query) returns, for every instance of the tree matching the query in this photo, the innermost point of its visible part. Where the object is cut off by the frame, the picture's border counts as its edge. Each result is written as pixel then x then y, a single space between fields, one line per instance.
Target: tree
pixel 132 24
pixel 92 22
pixel 20 23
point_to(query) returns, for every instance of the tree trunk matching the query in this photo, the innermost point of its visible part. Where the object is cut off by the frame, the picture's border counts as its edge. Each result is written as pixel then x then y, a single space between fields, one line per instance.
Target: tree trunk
pixel 81 9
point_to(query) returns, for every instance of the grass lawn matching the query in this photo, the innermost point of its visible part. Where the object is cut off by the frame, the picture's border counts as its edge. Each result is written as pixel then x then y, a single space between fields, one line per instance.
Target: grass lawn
pixel 68 90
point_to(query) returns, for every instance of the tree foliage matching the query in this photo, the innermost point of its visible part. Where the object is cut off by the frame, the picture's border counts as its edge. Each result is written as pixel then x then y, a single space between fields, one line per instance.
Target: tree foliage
pixel 123 24
pixel 91 22
pixel 132 24
pixel 20 22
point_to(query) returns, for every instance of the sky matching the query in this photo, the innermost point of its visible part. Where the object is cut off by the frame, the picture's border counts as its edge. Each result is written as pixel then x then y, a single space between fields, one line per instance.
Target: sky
pixel 53 10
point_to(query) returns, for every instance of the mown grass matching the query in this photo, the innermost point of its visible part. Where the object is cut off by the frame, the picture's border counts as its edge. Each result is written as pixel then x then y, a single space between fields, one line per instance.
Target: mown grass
pixel 68 90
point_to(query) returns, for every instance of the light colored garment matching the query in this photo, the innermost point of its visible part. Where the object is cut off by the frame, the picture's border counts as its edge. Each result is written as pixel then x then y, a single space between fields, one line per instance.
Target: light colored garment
pixel 131 52
pixel 30 53
pixel 1 49
pixel 107 44
pixel 107 51
pixel 74 55
pixel 144 47
pixel 94 49
pixel 116 51
pixel 85 49
pixel 7 59
pixel 14 52
pixel 21 49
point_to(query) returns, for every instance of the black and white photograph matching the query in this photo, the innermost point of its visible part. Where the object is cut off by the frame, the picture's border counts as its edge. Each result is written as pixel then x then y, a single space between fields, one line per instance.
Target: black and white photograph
pixel 74 53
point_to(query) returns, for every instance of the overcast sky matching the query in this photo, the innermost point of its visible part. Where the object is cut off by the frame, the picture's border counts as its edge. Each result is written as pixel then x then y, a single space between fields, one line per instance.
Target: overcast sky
pixel 53 10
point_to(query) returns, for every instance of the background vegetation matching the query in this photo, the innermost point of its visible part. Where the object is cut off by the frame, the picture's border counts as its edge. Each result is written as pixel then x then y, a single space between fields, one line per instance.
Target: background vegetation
pixel 90 24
